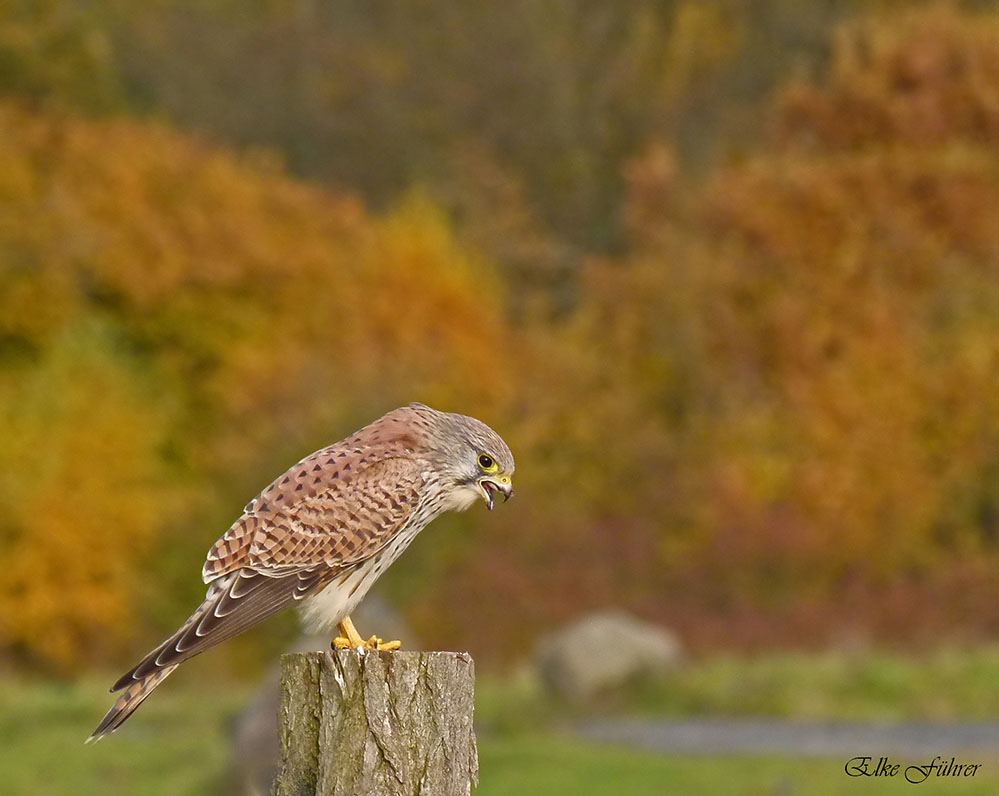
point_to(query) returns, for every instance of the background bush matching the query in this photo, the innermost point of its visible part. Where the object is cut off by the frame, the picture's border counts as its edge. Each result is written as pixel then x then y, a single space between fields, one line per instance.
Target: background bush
pixel 724 275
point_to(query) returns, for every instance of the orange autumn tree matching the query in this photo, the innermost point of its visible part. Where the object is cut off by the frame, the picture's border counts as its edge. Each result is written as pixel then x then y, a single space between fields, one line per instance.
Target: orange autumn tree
pixel 767 417
pixel 849 285
pixel 860 276
pixel 177 324
pixel 782 406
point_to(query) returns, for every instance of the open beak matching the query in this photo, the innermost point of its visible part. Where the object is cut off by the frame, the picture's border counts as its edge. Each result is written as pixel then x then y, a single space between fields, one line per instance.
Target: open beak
pixel 490 486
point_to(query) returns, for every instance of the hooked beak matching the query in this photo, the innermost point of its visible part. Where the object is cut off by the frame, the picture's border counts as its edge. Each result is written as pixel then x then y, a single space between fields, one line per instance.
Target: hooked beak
pixel 491 485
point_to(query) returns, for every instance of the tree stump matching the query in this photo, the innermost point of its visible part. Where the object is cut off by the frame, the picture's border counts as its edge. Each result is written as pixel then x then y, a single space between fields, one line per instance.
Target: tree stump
pixel 377 724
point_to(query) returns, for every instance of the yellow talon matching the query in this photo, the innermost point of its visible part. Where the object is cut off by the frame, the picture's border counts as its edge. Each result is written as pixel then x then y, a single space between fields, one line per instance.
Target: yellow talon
pixel 349 638
pixel 375 643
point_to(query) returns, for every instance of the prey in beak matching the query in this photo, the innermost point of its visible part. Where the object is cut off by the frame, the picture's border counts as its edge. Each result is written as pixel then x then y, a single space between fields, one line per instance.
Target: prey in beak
pixel 490 485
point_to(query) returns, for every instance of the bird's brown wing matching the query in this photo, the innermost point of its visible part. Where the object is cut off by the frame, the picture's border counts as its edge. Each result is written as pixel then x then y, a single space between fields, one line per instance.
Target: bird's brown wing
pixel 233 604
pixel 273 557
pixel 331 511
pixel 336 507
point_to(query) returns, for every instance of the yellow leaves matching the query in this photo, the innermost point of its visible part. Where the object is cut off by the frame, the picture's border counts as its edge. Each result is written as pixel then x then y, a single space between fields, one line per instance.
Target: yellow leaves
pixel 848 266
pixel 784 373
pixel 81 500
pixel 172 315
pixel 792 378
pixel 425 293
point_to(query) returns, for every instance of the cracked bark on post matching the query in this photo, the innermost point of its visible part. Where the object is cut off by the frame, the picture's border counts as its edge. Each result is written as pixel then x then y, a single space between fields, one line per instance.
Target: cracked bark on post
pixel 377 724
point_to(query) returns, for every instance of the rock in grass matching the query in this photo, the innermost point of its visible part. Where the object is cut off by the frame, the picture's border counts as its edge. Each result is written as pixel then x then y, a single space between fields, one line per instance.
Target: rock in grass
pixel 603 652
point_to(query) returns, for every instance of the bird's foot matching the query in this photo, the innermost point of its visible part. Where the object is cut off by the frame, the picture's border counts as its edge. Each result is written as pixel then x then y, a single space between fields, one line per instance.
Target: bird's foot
pixel 373 643
pixel 350 639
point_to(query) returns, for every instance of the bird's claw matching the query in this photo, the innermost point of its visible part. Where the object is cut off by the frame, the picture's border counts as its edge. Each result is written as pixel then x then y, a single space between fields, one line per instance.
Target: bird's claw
pixel 373 643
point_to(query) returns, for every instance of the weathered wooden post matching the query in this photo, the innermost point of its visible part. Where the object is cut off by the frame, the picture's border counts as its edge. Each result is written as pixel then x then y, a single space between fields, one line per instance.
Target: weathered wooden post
pixel 377 724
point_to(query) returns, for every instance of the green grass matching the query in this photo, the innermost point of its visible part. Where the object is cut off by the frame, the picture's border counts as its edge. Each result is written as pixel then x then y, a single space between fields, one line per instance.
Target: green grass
pixel 945 685
pixel 538 765
pixel 176 745
pixel 178 742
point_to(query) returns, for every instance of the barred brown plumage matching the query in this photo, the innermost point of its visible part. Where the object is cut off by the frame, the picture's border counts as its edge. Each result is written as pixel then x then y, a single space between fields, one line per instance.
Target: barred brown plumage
pixel 323 532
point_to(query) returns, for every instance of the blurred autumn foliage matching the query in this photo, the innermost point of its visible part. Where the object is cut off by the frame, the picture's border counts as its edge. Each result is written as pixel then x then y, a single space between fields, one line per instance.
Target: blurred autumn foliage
pixel 169 315
pixel 756 397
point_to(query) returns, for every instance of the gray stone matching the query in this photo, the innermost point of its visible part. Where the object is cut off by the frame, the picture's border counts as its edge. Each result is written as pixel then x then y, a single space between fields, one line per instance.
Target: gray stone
pixel 605 651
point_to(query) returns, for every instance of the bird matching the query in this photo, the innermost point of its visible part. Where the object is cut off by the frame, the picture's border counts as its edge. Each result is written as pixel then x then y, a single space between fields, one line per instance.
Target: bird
pixel 323 532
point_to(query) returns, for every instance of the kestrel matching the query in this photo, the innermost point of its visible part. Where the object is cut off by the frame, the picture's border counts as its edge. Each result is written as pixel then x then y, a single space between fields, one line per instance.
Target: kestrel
pixel 323 532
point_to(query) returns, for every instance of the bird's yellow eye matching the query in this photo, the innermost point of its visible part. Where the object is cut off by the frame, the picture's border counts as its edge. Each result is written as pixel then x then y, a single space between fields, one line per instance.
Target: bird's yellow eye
pixel 487 464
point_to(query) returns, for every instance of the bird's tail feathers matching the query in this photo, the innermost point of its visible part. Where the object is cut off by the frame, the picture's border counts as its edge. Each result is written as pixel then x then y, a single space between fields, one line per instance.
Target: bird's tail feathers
pixel 126 704
pixel 233 603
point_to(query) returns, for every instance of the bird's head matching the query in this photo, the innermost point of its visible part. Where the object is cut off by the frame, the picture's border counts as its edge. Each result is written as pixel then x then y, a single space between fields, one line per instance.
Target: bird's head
pixel 474 461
